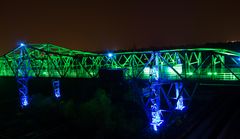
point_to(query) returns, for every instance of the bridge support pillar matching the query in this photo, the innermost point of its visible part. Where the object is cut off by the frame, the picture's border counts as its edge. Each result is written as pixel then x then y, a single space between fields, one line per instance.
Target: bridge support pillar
pixel 23 91
pixel 153 99
pixel 56 88
pixel 22 74
pixel 156 115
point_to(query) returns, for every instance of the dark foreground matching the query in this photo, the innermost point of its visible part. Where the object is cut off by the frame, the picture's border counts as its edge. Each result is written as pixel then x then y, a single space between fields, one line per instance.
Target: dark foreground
pixel 106 115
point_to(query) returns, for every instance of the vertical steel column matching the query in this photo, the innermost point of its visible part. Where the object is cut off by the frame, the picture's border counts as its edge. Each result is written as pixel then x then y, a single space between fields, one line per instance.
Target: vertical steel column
pixel 22 76
pixel 156 115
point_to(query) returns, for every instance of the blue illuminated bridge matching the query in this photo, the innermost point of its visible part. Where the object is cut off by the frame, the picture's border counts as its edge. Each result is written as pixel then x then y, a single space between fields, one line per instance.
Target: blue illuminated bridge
pixel 168 71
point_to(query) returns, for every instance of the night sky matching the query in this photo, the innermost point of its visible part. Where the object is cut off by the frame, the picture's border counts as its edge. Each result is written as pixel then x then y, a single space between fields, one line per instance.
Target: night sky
pixel 113 25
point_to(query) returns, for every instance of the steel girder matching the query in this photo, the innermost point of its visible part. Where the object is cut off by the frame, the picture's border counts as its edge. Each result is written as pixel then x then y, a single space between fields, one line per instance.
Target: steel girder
pixel 47 60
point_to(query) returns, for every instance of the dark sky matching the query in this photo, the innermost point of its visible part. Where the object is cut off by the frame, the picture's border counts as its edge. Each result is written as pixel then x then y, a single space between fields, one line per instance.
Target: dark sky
pixel 114 25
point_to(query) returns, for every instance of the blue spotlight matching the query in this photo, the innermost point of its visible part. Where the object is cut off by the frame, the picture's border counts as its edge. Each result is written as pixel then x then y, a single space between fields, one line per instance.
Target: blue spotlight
pixel 110 55
pixel 22 44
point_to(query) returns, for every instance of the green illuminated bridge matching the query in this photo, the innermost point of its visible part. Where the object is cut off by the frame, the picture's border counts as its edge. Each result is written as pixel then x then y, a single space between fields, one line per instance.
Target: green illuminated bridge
pixel 169 72
pixel 47 60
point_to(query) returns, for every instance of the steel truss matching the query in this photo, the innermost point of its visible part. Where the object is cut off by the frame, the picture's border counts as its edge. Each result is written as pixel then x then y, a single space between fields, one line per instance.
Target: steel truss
pixel 172 68
pixel 47 60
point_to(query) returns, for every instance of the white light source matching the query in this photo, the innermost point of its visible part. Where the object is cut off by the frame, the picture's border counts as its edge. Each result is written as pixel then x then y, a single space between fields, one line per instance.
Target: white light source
pixel 22 44
pixel 110 54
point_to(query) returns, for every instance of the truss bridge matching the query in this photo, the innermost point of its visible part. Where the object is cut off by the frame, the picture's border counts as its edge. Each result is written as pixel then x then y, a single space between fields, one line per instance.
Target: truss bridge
pixel 168 72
